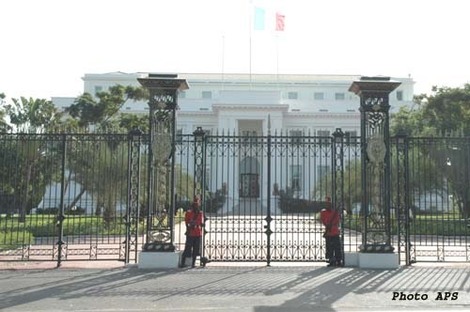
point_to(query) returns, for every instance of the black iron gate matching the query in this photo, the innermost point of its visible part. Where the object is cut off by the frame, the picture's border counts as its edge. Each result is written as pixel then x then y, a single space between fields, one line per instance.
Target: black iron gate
pixel 64 197
pixel 267 192
pixel 67 197
pixel 263 195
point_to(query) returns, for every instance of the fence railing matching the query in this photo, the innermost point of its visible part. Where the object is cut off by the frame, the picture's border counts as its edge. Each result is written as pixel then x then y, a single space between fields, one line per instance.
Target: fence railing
pixel 65 196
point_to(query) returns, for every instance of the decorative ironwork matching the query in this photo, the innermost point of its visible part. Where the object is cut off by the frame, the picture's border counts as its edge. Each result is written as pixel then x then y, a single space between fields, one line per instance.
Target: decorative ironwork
pixel 402 198
pixel 162 103
pixel 133 210
pixel 199 167
pixel 375 158
pixel 237 228
pixel 338 177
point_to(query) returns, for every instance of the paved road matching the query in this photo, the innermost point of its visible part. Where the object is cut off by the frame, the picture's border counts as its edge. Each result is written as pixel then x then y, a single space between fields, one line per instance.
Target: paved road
pixel 234 288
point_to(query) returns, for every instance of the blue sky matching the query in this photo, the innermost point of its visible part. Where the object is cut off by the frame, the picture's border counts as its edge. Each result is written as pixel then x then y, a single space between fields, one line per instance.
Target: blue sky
pixel 48 45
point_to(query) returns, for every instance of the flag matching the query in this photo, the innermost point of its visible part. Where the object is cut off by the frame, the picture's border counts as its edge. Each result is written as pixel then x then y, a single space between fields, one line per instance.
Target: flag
pixel 259 19
pixel 280 21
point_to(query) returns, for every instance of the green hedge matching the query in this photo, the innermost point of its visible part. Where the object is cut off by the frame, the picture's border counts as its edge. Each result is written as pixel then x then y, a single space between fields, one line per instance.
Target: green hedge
pixel 296 205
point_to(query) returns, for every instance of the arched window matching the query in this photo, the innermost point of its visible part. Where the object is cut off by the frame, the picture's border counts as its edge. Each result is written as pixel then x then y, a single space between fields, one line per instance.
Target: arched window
pixel 249 178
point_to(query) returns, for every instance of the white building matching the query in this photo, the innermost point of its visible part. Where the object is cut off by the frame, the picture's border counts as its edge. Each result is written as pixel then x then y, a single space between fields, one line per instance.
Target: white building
pixel 314 105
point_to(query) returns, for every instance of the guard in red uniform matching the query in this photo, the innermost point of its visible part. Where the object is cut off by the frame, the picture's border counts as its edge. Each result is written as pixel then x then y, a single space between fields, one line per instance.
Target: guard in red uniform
pixel 330 218
pixel 194 220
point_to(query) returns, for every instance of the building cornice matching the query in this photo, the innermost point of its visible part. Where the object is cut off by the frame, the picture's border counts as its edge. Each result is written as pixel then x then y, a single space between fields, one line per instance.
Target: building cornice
pixel 195 113
pixel 251 107
pixel 323 115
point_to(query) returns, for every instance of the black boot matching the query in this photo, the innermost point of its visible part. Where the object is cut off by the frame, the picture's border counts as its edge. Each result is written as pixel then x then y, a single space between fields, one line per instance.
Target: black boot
pixel 183 260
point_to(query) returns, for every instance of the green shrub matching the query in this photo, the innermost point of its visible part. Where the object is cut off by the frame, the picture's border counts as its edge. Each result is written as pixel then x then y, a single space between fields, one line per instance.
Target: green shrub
pixel 296 205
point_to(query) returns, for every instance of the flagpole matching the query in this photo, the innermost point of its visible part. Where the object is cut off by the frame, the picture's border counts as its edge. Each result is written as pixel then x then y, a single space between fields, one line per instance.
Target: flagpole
pixel 250 59
pixel 279 27
pixel 250 39
pixel 223 62
pixel 277 60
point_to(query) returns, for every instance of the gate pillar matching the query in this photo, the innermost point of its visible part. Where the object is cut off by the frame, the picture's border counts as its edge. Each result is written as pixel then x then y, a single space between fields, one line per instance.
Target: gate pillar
pixel 375 167
pixel 163 89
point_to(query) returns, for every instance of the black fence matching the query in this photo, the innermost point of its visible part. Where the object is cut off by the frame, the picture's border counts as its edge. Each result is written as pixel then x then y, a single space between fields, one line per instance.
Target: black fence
pixel 65 197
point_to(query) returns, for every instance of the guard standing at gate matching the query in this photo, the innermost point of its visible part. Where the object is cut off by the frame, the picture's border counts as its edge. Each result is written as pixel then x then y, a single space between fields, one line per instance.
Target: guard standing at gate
pixel 330 218
pixel 194 220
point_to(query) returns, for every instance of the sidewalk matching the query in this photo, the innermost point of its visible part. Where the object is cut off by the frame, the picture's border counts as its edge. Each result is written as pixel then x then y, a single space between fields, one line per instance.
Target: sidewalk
pixel 223 287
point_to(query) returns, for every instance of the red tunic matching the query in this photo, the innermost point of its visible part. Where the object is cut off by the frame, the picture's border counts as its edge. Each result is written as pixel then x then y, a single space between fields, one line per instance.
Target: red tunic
pixel 330 219
pixel 194 222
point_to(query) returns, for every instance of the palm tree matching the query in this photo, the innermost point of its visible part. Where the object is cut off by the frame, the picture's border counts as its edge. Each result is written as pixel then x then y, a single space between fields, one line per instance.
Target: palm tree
pixel 30 116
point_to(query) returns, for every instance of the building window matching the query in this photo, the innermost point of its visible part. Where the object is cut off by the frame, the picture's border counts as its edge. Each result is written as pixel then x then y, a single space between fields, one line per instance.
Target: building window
pixel 318 96
pixel 292 95
pixel 296 178
pixel 399 95
pixel 179 136
pixel 351 136
pixel 249 136
pixel 324 136
pixel 322 171
pixel 98 89
pixel 207 94
pixel 249 185
pixel 296 136
pixel 206 131
pixel 249 177
pixel 339 96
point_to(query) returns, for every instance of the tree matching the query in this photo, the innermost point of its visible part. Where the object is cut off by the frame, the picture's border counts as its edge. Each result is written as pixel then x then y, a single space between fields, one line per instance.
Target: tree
pixel 103 110
pixel 3 123
pixel 33 115
pixel 29 154
pixel 132 121
pixel 445 112
pixel 448 109
pixel 102 173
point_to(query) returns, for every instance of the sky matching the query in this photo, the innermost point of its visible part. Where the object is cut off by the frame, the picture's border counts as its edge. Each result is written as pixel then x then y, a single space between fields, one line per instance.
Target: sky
pixel 47 46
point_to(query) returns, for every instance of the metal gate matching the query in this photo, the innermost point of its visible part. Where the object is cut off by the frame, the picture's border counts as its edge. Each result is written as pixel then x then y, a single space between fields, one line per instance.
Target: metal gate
pixel 67 197
pixel 64 197
pixel 263 196
pixel 431 198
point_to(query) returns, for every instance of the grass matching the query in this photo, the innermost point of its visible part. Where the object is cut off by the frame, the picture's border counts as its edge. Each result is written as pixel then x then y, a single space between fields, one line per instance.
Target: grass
pixel 14 234
pixel 15 239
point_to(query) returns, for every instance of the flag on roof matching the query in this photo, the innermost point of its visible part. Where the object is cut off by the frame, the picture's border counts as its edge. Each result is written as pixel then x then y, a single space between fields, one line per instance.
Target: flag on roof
pixel 259 19
pixel 280 21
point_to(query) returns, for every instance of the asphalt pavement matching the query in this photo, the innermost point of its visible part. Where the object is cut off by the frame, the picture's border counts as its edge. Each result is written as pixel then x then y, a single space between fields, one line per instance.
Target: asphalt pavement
pixel 234 287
